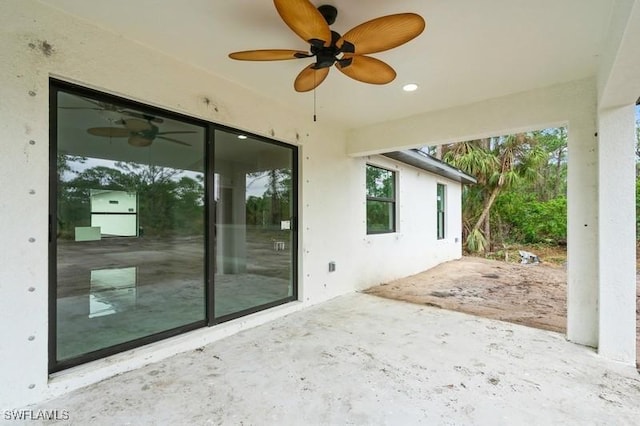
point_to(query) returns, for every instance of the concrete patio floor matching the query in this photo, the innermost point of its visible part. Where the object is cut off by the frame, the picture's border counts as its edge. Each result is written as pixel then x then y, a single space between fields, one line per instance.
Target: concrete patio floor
pixel 360 359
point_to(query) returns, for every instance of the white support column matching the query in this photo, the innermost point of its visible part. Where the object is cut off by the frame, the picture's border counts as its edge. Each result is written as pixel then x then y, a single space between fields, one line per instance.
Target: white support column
pixel 617 253
pixel 582 230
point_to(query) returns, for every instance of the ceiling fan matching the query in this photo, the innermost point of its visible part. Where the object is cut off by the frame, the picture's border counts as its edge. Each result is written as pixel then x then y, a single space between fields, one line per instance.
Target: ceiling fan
pixel 140 133
pixel 347 52
pixel 104 106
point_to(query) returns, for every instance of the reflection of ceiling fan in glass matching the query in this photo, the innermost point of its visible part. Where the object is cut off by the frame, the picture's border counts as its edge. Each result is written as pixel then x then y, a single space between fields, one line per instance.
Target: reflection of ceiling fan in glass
pixel 140 133
pixel 104 106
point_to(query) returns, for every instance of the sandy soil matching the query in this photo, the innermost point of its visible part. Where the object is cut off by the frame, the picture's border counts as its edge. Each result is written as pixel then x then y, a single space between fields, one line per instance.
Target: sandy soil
pixel 532 295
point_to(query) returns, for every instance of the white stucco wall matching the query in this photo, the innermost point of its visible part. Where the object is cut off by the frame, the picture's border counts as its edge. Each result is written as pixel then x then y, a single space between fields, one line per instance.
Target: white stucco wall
pixel 414 247
pixel 617 242
pixel 37 42
pixel 618 91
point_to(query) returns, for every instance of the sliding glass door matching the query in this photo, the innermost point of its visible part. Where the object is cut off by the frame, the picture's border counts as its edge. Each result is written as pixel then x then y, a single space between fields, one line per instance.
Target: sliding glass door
pixel 160 224
pixel 254 233
pixel 129 222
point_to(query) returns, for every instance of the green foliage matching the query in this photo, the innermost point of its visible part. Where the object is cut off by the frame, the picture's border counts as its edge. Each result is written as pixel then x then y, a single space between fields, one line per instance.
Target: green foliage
pixel 476 242
pixel 379 216
pixel 380 182
pixel 525 219
pixel 268 210
pixel 520 194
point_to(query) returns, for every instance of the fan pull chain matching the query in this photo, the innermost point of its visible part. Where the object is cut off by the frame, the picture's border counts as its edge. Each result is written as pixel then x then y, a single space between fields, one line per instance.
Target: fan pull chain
pixel 314 96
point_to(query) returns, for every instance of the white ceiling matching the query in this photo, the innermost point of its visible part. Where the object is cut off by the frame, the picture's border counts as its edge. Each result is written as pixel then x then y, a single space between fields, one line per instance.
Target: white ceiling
pixel 471 50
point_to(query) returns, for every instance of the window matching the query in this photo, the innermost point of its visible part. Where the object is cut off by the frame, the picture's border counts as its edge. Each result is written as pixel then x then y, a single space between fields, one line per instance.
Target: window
pixel 441 210
pixel 381 200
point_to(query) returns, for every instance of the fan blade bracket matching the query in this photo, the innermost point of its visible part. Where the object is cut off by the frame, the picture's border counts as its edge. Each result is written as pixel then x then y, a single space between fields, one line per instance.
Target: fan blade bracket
pixel 347 47
pixel 345 62
pixel 316 42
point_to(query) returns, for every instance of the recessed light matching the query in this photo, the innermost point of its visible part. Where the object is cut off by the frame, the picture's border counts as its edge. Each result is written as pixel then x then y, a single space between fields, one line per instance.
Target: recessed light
pixel 411 87
pixel 242 137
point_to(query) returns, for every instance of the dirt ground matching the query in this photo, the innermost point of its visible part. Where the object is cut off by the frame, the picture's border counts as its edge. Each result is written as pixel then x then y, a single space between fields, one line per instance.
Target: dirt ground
pixel 531 295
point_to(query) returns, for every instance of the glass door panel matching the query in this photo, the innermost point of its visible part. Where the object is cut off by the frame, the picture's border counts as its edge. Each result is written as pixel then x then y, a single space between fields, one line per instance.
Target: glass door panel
pixel 255 245
pixel 129 225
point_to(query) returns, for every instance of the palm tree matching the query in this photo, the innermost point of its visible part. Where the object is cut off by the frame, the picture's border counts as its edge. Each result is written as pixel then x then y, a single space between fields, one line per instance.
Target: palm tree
pixel 498 164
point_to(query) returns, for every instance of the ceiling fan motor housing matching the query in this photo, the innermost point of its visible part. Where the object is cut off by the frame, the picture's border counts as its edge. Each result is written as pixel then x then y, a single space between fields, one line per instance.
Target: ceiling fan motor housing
pixel 329 13
pixel 327 56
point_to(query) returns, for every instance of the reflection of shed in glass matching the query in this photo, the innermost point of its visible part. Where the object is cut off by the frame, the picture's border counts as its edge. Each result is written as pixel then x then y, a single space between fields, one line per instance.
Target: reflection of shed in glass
pixel 115 212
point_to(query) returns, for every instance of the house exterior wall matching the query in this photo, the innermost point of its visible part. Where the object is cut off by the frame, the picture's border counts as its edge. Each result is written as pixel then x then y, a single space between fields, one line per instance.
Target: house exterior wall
pixel 38 42
pixel 414 247
pixel 572 104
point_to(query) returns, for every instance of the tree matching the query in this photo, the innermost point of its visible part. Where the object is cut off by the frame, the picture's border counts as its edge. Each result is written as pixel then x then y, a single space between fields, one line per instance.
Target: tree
pixel 275 202
pixel 168 201
pixel 498 164
pixel 552 177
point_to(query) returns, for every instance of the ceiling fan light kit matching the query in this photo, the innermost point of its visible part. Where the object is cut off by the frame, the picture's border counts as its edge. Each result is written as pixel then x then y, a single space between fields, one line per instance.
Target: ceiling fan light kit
pixel 347 52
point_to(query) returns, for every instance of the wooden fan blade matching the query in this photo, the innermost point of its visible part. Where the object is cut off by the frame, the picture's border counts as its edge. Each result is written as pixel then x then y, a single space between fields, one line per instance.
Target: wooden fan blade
pixel 139 141
pixel 173 140
pixel 310 78
pixel 268 55
pixel 305 20
pixel 384 33
pixel 136 125
pixel 367 69
pixel 109 132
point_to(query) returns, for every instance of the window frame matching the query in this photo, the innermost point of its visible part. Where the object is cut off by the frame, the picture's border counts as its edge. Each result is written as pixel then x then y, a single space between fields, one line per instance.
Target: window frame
pixel 392 201
pixel 441 214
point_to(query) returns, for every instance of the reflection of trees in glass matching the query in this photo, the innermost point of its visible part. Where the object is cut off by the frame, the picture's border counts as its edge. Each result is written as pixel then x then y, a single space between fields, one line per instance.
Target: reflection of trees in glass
pixel 169 204
pixel 380 199
pixel 274 205
pixel 379 182
pixel 73 205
